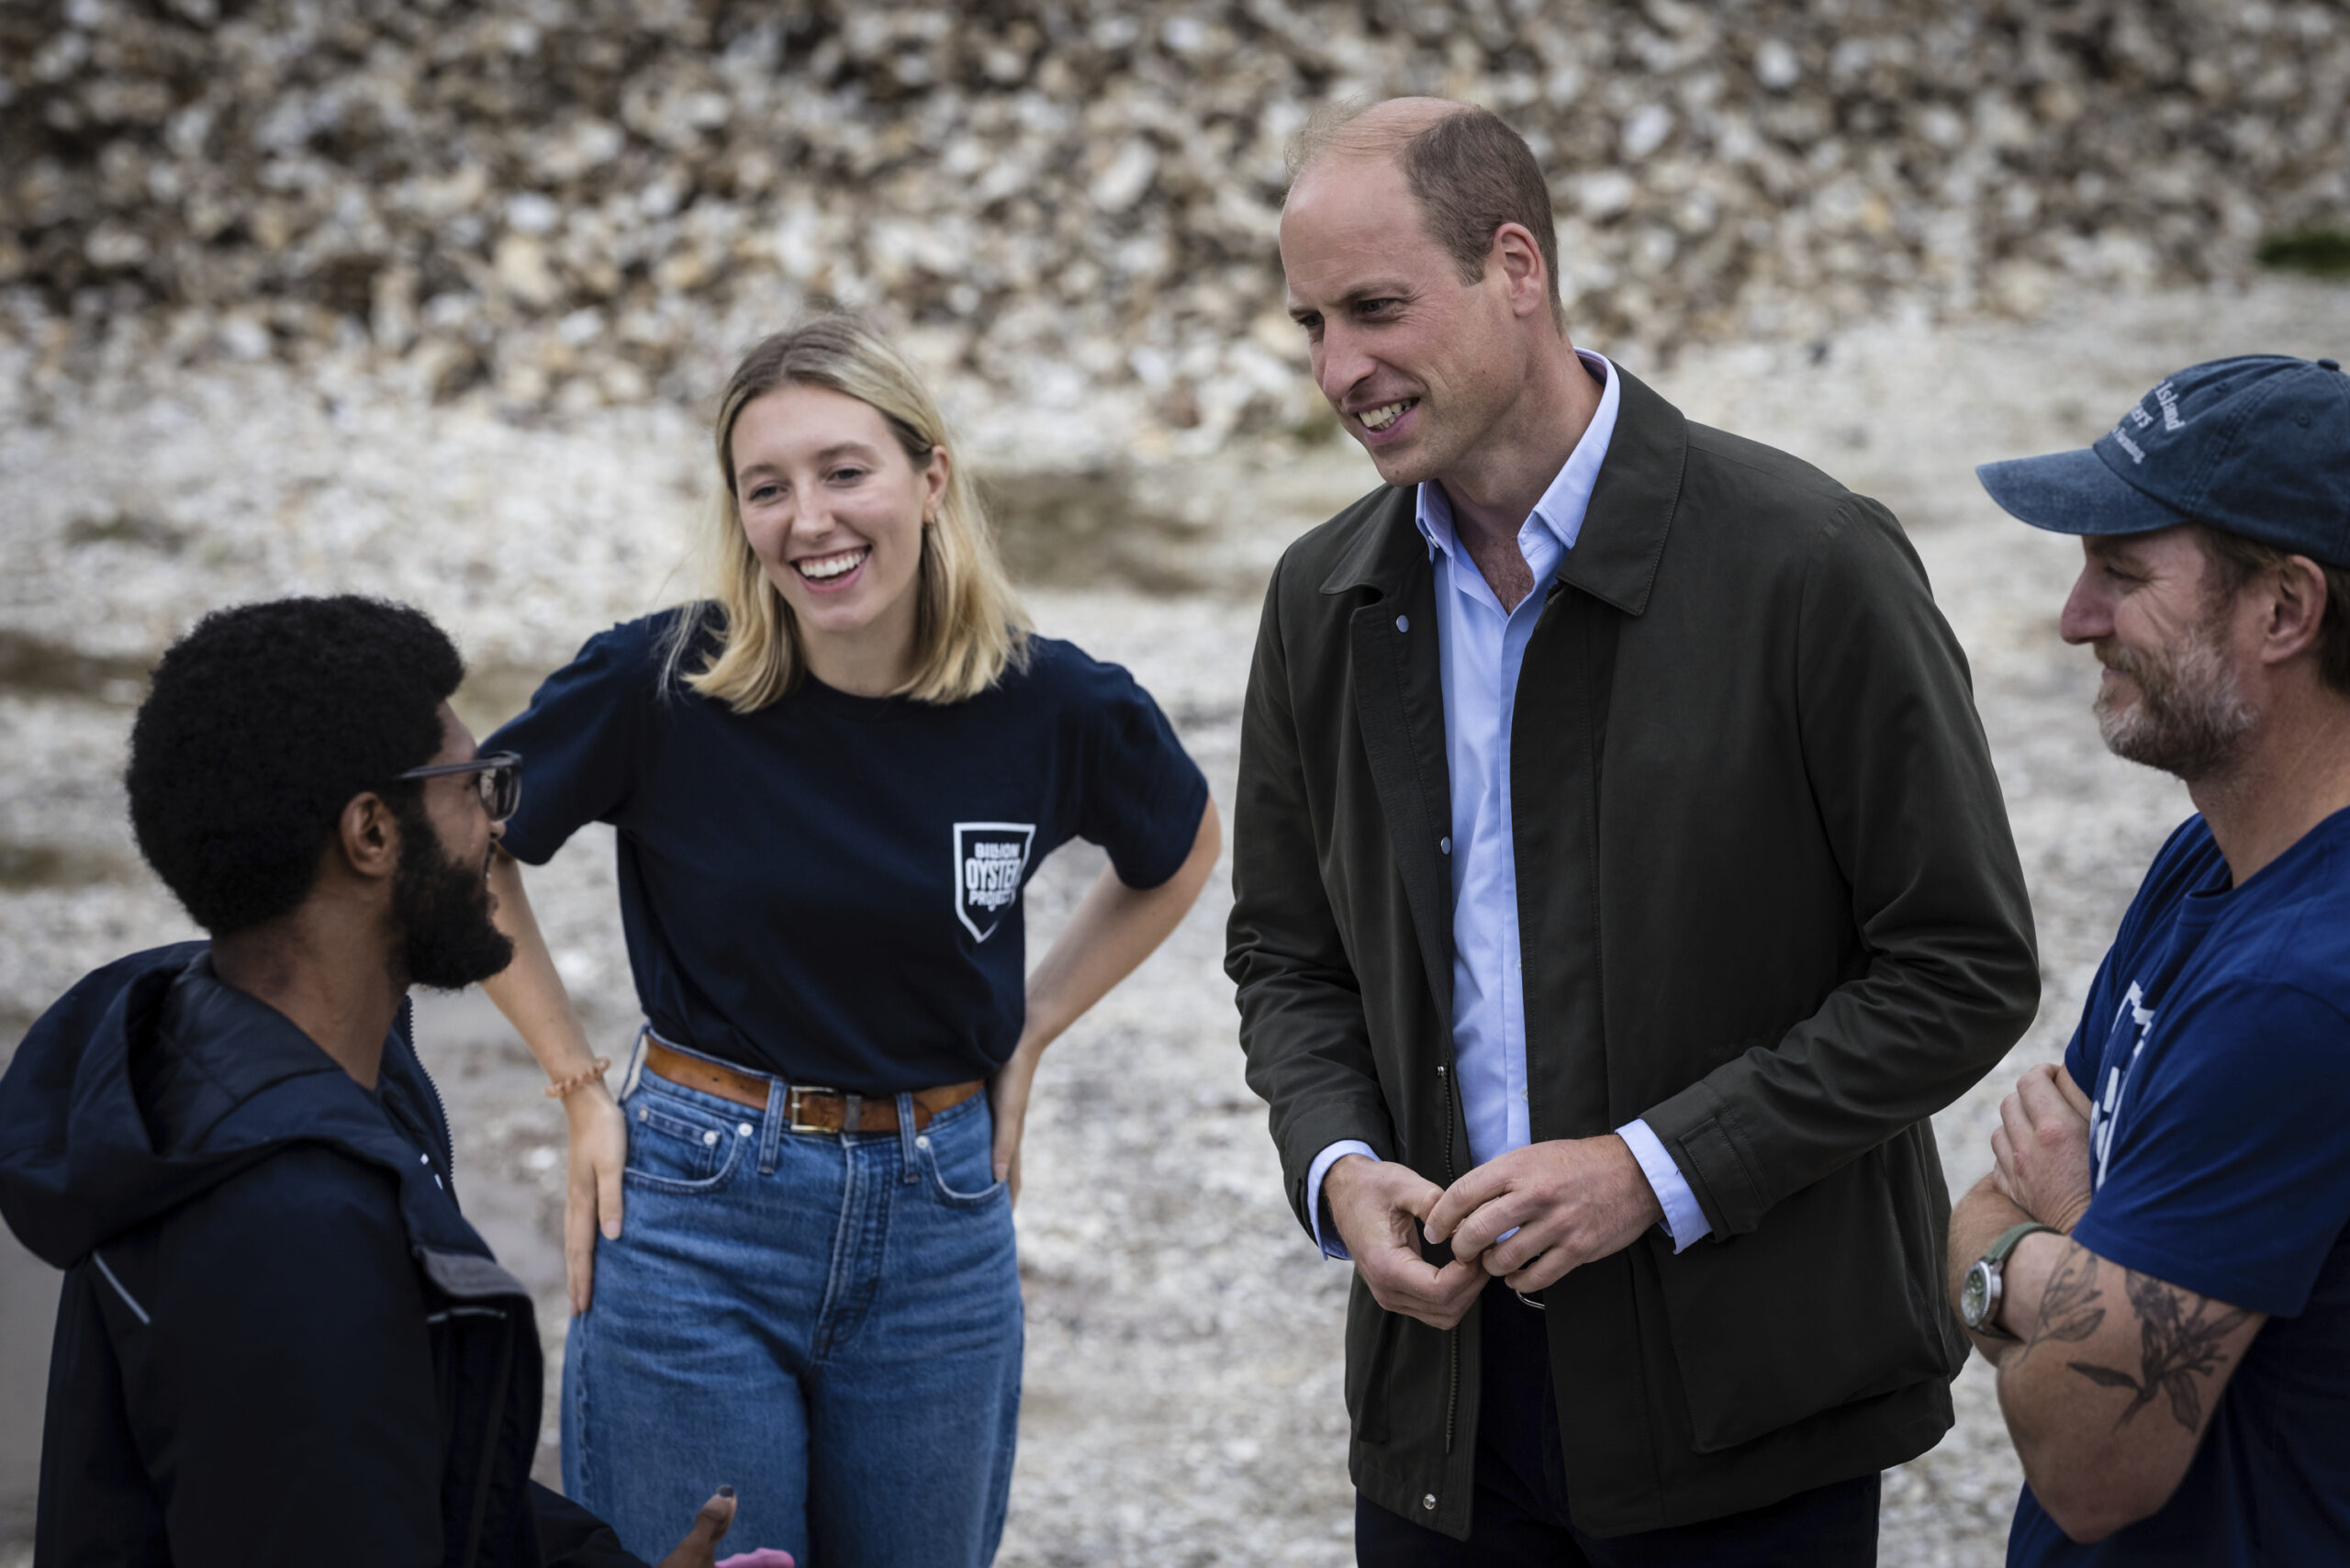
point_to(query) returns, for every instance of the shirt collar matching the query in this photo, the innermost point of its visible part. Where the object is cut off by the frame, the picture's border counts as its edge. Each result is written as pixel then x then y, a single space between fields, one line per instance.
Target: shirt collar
pixel 1563 504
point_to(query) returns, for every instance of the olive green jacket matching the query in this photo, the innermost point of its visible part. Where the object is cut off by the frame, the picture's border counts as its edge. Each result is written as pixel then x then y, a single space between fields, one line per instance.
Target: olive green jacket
pixel 1767 900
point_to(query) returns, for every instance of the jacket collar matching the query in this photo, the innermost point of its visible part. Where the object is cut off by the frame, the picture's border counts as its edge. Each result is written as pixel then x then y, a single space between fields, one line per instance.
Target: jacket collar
pixel 1615 559
pixel 257 1080
pixel 216 1051
pixel 1383 555
pixel 1633 502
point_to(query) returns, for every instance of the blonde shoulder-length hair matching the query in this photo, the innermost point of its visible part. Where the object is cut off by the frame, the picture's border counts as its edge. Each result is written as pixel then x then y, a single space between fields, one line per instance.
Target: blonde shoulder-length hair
pixel 969 624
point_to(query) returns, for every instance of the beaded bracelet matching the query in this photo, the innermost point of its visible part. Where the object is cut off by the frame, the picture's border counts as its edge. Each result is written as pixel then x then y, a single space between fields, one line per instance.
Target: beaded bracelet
pixel 563 1086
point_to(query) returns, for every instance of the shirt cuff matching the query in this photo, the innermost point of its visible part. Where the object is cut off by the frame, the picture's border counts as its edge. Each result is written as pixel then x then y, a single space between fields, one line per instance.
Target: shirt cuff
pixel 1683 1220
pixel 1325 1235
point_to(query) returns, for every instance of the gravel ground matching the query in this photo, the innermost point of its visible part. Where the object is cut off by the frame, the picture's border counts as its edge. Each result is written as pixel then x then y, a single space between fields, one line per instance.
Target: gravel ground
pixel 1183 1402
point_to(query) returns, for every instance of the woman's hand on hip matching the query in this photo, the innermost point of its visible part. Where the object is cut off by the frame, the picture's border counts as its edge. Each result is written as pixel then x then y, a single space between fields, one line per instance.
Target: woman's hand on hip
pixel 530 994
pixel 1008 1102
pixel 591 1204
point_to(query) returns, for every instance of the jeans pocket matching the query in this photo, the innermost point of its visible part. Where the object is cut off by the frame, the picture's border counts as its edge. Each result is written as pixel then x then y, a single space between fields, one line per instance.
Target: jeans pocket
pixel 677 1148
pixel 959 1162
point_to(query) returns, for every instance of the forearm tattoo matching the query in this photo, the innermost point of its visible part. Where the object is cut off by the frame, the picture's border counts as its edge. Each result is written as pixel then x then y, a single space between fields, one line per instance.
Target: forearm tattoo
pixel 2069 1312
pixel 2180 1335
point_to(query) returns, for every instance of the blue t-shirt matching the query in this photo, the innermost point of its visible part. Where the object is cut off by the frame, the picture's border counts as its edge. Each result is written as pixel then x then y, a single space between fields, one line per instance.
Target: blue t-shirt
pixel 2216 1050
pixel 829 888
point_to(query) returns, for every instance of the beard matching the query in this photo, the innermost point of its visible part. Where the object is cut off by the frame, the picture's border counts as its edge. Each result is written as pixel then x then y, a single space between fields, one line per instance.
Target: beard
pixel 446 938
pixel 2190 717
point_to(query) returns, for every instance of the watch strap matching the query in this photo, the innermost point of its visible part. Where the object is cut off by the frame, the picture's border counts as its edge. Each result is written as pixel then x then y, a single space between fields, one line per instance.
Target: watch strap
pixel 1997 1253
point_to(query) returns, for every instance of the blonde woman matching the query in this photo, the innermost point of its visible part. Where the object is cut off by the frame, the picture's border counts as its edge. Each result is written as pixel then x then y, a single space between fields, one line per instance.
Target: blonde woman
pixel 790 1244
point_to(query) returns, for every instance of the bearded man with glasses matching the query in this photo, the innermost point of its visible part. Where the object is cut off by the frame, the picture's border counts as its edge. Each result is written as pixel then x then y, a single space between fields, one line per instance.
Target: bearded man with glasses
pixel 278 1341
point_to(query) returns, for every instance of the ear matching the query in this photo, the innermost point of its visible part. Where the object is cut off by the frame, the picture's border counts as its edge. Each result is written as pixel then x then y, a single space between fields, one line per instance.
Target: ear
pixel 1524 274
pixel 2295 612
pixel 368 836
pixel 935 479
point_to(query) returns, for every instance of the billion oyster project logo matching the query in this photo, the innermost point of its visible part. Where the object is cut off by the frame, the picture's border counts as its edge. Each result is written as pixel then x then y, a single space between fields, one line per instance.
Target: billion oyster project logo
pixel 989 860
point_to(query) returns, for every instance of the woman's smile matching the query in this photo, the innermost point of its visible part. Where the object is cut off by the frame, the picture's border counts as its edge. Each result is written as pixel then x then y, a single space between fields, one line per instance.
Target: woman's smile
pixel 831 573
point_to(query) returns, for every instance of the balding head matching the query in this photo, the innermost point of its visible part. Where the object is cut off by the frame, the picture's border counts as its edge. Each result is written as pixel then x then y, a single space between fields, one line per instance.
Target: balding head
pixel 1359 128
pixel 1469 174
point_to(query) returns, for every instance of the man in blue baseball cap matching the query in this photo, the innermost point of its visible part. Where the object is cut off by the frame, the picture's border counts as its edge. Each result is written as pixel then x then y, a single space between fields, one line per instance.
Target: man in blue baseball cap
pixel 2159 1261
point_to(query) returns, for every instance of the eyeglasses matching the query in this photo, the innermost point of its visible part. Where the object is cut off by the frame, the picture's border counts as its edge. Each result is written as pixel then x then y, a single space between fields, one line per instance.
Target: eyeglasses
pixel 499 778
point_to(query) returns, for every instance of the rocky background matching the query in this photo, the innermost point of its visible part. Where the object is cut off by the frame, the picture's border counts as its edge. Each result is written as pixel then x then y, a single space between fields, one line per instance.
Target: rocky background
pixel 1068 204
pixel 423 299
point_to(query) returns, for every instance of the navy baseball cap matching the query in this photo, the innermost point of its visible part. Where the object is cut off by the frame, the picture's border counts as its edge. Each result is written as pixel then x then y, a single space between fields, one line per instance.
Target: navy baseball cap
pixel 2257 445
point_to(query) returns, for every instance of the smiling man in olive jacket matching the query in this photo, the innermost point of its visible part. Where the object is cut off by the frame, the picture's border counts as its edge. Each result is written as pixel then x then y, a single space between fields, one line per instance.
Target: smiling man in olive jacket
pixel 1621 881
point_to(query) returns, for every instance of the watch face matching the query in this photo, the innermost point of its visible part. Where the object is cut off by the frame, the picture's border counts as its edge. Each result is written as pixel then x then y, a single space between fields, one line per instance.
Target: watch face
pixel 1975 1296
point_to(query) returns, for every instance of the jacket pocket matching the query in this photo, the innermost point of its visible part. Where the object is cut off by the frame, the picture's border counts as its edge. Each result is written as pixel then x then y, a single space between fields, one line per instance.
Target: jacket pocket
pixel 1837 1297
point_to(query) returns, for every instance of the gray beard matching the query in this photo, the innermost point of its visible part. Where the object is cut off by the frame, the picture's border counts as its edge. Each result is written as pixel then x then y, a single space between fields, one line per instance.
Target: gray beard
pixel 2190 717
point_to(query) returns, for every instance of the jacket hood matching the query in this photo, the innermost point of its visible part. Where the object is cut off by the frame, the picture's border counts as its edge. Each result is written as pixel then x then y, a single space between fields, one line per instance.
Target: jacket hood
pixel 152 1081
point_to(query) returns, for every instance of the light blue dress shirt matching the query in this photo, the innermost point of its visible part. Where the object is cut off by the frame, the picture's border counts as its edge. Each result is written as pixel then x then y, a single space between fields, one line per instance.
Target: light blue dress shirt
pixel 1480 649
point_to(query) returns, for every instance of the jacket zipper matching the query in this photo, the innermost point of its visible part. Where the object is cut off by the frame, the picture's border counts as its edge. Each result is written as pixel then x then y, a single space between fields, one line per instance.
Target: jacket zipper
pixel 448 1139
pixel 1452 1335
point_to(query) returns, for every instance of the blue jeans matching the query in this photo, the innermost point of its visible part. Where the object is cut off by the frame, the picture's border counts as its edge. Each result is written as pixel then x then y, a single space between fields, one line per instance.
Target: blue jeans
pixel 832 1325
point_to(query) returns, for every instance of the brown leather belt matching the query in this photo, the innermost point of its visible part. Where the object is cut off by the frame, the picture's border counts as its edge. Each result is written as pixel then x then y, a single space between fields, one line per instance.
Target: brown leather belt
pixel 810 1109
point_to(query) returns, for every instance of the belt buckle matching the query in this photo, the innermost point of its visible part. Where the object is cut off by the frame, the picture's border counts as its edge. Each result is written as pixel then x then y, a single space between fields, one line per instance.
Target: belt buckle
pixel 791 1109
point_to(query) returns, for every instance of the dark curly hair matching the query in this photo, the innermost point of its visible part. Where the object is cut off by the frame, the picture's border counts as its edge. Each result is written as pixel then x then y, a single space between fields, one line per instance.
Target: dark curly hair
pixel 261 724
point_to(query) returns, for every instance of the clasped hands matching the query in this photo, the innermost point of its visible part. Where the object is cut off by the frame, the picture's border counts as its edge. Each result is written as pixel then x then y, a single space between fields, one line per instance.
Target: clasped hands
pixel 1527 1216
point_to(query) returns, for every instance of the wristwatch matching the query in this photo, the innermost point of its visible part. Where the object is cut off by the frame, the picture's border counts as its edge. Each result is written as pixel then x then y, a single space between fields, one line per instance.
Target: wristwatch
pixel 1978 1299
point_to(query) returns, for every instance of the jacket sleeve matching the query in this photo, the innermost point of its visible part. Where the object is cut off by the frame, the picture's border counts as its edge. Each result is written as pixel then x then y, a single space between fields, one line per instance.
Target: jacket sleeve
pixel 1301 1023
pixel 289 1407
pixel 1902 778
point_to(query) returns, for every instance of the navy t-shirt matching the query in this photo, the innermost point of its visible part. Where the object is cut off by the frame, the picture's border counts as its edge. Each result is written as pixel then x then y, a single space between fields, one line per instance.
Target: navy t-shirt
pixel 2216 1050
pixel 829 888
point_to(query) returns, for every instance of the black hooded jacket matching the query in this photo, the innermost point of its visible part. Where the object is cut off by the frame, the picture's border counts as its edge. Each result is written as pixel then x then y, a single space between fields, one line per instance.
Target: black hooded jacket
pixel 278 1339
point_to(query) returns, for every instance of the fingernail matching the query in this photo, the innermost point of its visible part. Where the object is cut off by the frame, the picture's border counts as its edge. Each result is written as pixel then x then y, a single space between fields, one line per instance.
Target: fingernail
pixel 611 1231
pixel 726 1490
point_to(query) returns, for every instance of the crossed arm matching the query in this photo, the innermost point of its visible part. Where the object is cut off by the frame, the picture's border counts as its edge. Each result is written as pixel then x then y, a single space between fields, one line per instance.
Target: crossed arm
pixel 2113 1375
